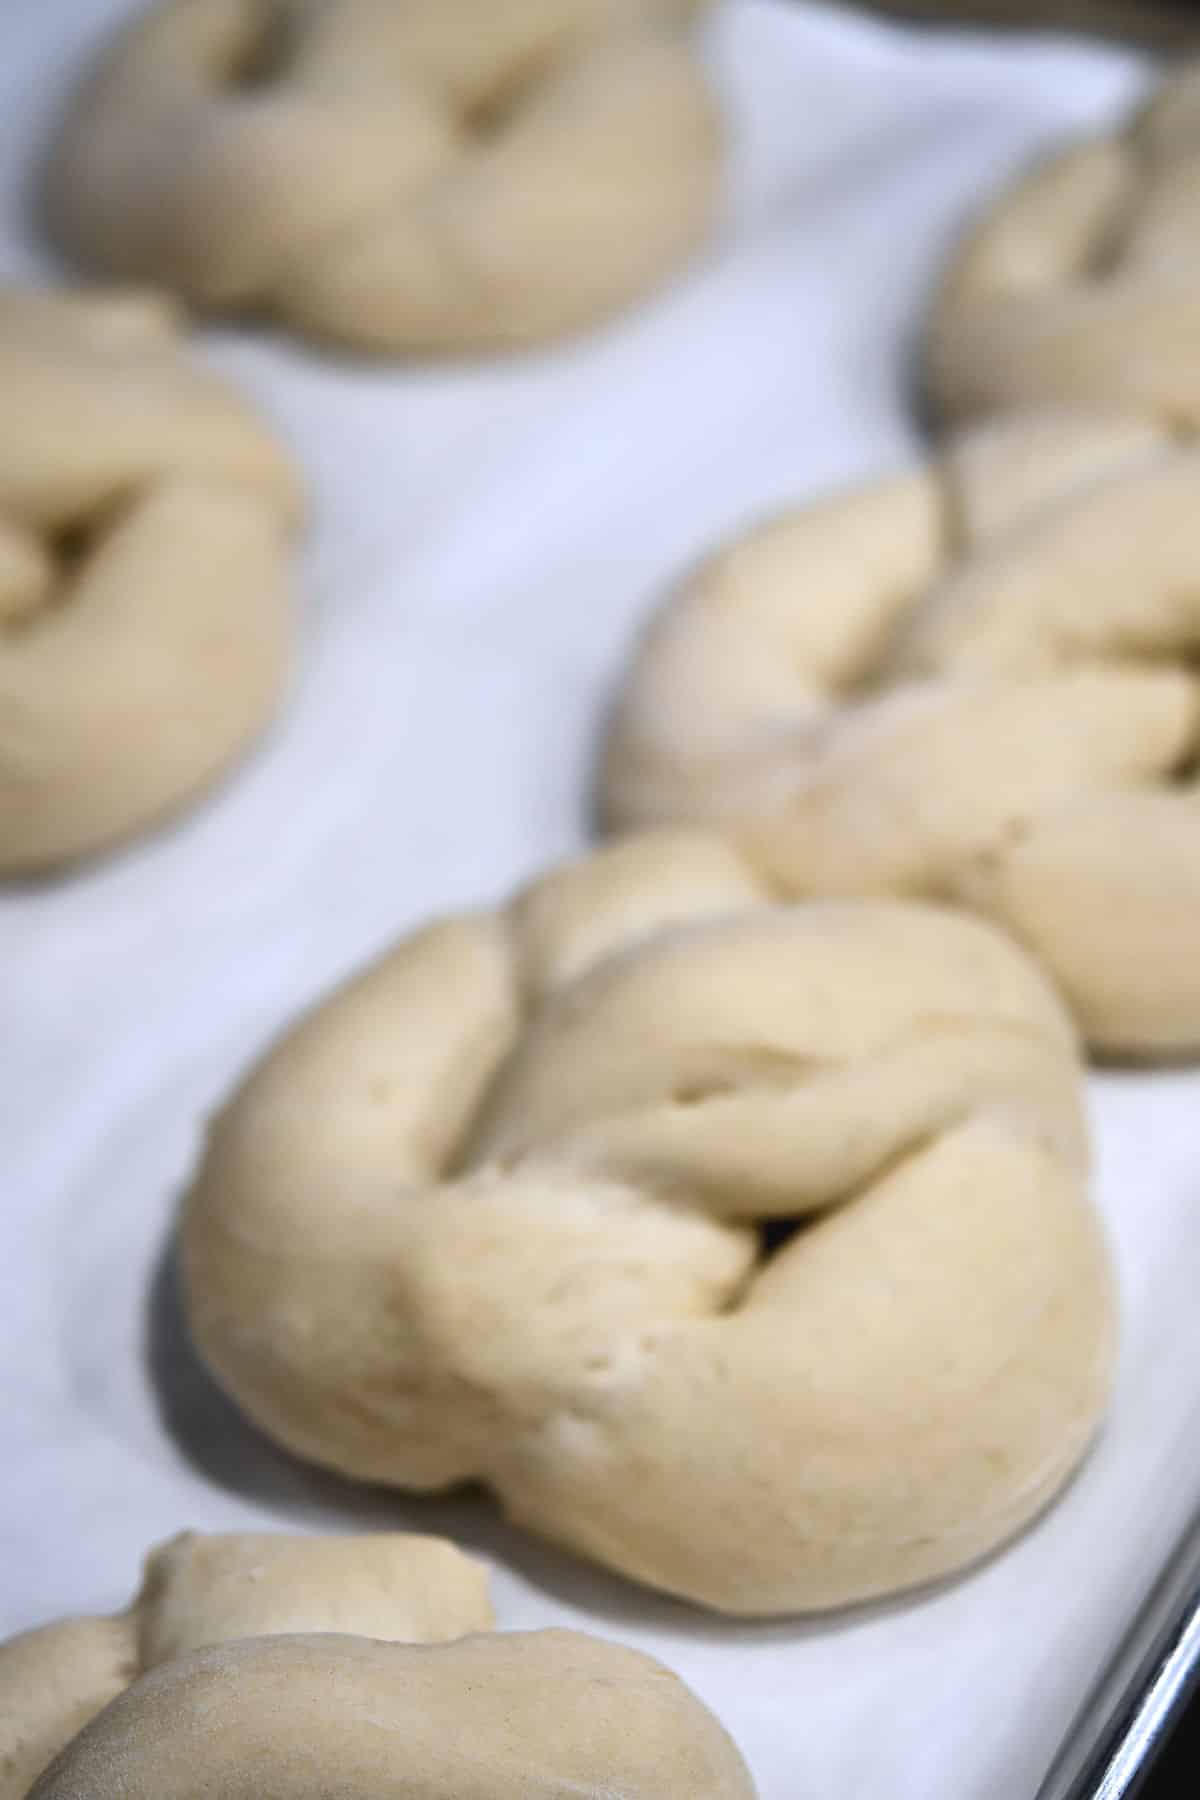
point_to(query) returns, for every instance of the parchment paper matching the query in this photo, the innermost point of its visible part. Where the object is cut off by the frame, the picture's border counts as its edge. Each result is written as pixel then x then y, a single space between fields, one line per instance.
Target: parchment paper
pixel 487 537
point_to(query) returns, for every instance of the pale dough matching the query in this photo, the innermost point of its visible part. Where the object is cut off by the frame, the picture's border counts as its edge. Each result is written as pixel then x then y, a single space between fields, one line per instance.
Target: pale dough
pixel 199 1591
pixel 395 174
pixel 1080 285
pixel 146 518
pixel 975 683
pixel 499 1210
pixel 305 1668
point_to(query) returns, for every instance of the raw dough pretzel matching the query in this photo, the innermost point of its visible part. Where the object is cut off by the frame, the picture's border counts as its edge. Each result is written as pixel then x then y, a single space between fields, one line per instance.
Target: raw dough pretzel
pixel 215 1681
pixel 501 1209
pixel 976 683
pixel 199 1591
pixel 144 620
pixel 396 174
pixel 1080 286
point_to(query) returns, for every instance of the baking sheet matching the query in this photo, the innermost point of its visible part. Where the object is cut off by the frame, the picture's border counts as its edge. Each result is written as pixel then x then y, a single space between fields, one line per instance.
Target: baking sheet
pixel 486 539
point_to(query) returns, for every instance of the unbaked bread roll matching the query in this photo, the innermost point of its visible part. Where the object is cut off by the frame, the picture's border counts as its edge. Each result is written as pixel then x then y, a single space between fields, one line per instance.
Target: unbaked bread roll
pixel 1080 285
pixel 145 519
pixel 975 683
pixel 216 1681
pixel 199 1591
pixel 744 1248
pixel 395 174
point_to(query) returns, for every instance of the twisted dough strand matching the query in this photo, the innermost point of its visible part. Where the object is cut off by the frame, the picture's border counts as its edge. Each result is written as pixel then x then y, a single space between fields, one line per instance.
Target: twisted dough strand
pixel 497 1211
pixel 145 519
pixel 304 1668
pixel 1079 287
pixel 199 1591
pixel 974 683
pixel 396 175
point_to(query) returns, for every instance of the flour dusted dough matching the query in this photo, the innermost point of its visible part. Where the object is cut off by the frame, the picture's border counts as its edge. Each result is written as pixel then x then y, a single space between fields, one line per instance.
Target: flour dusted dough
pixel 974 683
pixel 498 1210
pixel 305 1667
pixel 1080 286
pixel 399 175
pixel 145 518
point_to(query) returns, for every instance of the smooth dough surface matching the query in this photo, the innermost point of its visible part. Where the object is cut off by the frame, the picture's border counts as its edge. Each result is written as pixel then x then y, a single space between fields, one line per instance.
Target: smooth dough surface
pixel 198 1591
pixel 309 1668
pixel 1080 285
pixel 974 683
pixel 396 175
pixel 521 1716
pixel 743 1248
pixel 145 525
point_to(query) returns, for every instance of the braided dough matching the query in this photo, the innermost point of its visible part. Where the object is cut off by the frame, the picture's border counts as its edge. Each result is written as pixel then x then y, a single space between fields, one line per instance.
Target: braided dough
pixel 504 1209
pixel 218 1665
pixel 145 515
pixel 975 683
pixel 1081 285
pixel 396 174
